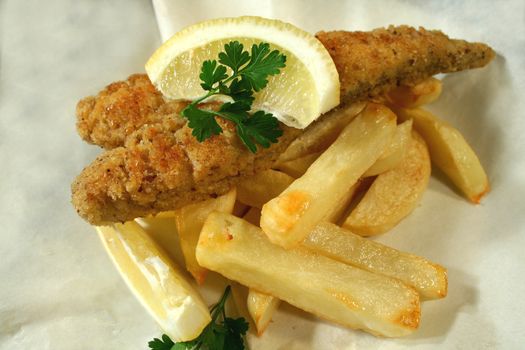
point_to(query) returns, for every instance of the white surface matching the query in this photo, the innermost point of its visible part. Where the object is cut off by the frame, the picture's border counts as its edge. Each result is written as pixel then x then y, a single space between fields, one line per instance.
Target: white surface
pixel 59 289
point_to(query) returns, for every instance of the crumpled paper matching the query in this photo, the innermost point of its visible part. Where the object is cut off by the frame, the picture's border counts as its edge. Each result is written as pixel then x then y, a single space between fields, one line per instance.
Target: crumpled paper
pixel 475 243
pixel 59 289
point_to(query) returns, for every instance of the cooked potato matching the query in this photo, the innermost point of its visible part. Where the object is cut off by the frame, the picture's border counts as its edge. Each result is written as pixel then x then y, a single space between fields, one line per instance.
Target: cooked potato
pixel 394 194
pixel 258 189
pixel 394 153
pixel 337 211
pixel 319 135
pixel 162 215
pixel 428 278
pixel 288 218
pixel 297 167
pixel 240 297
pixel 414 96
pixel 450 152
pixel 261 307
pixel 328 288
pixel 189 221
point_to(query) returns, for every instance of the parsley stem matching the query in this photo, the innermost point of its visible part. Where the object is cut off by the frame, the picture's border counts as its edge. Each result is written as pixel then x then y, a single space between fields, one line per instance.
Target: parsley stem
pixel 202 98
pixel 238 75
pixel 214 91
pixel 218 308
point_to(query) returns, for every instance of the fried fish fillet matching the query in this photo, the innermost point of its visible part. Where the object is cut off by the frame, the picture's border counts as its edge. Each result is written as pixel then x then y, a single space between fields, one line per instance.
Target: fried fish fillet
pixel 369 64
pixel 122 108
pixel 155 164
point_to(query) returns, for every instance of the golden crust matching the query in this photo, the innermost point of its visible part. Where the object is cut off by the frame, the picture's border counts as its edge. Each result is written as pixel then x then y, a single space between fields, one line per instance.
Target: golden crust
pixel 160 169
pixel 371 63
pixel 120 109
pixel 163 167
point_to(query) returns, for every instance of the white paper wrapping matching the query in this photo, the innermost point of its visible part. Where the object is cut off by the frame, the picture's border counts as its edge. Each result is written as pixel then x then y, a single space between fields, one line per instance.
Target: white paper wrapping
pixel 59 289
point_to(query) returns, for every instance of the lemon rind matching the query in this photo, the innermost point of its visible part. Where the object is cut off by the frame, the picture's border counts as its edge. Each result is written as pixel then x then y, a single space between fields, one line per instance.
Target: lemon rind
pixel 308 50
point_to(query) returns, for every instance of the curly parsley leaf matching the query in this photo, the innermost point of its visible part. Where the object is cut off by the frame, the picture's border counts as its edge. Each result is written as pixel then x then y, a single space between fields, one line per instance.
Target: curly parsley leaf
pixel 161 344
pixel 263 63
pixel 236 111
pixel 234 56
pixel 211 74
pixel 222 333
pixel 202 122
pixel 249 74
pixel 262 128
pixel 241 90
pixel 236 328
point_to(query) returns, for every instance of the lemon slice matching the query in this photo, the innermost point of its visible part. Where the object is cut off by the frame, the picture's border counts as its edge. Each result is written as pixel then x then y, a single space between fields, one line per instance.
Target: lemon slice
pixel 155 281
pixel 307 87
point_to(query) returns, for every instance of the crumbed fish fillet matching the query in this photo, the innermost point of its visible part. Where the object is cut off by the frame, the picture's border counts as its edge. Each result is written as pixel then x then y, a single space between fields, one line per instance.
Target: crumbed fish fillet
pixel 155 164
pixel 369 64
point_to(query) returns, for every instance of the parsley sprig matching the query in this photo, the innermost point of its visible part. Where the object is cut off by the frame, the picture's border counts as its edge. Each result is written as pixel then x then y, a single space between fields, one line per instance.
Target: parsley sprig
pixel 237 74
pixel 222 333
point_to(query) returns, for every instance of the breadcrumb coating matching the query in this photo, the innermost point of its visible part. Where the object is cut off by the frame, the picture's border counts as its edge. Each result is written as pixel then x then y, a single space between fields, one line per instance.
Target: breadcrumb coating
pixel 162 167
pixel 153 163
pixel 371 63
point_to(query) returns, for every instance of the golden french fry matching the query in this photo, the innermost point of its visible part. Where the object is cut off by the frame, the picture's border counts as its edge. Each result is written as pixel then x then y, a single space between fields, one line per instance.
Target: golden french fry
pixel 428 278
pixel 322 132
pixel 394 153
pixel 393 194
pixel 258 189
pixel 240 296
pixel 288 218
pixel 414 96
pixel 261 307
pixel 336 212
pixel 189 221
pixel 162 215
pixel 328 288
pixel 297 167
pixel 450 152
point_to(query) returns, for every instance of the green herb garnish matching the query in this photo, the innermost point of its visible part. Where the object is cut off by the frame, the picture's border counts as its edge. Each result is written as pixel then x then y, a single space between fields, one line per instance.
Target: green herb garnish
pixel 222 333
pixel 249 74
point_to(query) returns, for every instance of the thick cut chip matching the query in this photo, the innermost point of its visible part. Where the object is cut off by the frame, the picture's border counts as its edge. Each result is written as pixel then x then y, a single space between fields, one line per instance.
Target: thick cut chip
pixel 258 189
pixel 428 278
pixel 261 307
pixel 393 153
pixel 189 221
pixel 297 167
pixel 393 194
pixel 288 218
pixel 414 96
pixel 330 289
pixel 450 152
pixel 240 296
pixel 320 135
pixel 155 280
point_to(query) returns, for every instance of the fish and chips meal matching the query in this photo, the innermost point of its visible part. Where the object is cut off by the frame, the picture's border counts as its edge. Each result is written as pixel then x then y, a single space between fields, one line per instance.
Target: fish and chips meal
pixel 274 154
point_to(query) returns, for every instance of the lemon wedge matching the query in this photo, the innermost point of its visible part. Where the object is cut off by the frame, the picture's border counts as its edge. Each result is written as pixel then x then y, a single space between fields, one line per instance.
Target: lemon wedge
pixel 307 87
pixel 156 281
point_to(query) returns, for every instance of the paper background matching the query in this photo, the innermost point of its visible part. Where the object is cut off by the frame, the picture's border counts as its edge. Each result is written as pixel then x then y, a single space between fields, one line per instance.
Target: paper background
pixel 58 288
